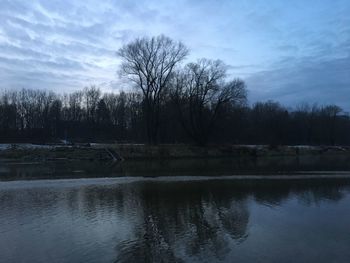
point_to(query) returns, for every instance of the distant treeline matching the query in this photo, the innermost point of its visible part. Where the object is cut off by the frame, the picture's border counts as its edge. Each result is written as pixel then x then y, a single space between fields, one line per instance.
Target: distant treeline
pixel 89 115
pixel 171 103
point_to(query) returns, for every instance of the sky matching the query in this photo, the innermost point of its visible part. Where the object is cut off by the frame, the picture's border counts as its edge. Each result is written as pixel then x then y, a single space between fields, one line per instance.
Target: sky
pixel 289 51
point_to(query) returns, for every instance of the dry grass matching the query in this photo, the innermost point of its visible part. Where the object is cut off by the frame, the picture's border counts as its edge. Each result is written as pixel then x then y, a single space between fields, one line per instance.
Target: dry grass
pixel 140 151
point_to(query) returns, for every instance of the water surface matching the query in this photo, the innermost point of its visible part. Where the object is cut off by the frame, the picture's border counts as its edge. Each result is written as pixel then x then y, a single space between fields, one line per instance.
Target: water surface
pixel 268 165
pixel 175 220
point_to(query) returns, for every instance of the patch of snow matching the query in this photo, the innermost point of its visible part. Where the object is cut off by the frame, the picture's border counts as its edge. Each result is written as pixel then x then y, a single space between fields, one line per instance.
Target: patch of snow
pixel 4 146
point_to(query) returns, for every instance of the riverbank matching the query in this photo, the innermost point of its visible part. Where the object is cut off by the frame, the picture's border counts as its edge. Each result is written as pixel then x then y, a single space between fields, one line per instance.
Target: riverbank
pixel 118 152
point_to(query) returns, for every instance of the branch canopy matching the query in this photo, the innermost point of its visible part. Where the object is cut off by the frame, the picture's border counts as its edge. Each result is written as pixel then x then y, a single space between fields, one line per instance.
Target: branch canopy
pixel 149 62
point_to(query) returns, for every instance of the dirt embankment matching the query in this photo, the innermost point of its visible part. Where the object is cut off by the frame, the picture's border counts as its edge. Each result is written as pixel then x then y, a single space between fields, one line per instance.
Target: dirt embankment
pixel 116 152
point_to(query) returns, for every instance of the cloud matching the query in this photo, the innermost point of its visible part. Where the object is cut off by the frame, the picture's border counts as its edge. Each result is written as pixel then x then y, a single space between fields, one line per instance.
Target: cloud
pixel 288 51
pixel 307 80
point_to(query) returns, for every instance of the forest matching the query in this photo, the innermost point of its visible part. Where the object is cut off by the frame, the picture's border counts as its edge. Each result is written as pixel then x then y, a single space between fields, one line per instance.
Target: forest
pixel 90 115
pixel 169 102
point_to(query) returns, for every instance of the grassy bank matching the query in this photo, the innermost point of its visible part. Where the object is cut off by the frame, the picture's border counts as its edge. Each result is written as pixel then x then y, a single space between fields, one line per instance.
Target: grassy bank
pixel 105 152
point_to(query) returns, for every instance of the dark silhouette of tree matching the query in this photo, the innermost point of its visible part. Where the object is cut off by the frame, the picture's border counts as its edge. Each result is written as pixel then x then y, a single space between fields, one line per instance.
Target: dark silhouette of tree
pixel 219 116
pixel 55 117
pixel 149 63
pixel 102 112
pixel 331 113
pixel 271 122
pixel 201 94
pixel 91 96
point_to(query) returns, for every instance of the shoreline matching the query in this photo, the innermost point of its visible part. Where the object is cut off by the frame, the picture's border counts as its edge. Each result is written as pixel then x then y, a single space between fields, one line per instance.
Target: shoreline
pixel 118 152
pixel 37 162
pixel 74 182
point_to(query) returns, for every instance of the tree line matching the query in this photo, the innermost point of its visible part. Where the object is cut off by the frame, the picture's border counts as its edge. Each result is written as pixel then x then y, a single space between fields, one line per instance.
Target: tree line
pixel 170 103
pixel 90 115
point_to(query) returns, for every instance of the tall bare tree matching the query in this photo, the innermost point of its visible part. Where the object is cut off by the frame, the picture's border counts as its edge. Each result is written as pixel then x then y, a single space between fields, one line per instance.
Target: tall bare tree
pixel 150 63
pixel 202 94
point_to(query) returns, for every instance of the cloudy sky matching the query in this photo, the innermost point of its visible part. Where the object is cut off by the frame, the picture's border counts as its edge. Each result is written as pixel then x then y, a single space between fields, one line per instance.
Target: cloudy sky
pixel 291 51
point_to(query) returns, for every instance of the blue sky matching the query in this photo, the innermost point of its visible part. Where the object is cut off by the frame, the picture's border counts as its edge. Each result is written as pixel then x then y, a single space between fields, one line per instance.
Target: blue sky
pixel 290 51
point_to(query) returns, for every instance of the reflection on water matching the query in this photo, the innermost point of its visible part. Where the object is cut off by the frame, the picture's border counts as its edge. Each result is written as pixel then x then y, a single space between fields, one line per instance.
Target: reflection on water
pixel 204 167
pixel 182 221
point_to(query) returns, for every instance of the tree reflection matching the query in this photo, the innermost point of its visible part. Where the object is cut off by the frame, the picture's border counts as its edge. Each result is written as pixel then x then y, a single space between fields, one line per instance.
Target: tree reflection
pixel 183 223
pixel 151 221
pixel 209 215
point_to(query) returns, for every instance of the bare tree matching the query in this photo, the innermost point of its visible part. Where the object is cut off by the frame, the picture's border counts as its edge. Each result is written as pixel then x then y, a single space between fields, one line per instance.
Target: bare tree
pixel 150 62
pixel 75 104
pixel 202 94
pixel 92 96
pixel 331 112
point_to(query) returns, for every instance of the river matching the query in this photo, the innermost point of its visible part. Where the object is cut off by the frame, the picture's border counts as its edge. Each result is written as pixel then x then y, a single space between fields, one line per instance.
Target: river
pixel 175 219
